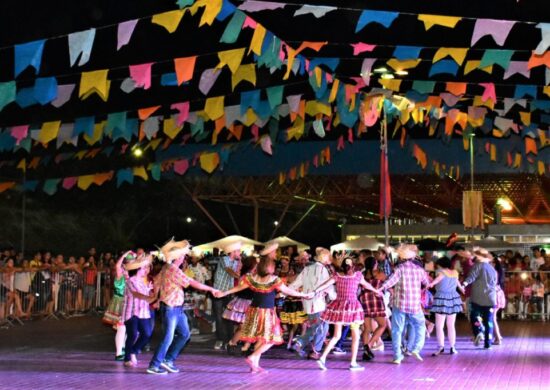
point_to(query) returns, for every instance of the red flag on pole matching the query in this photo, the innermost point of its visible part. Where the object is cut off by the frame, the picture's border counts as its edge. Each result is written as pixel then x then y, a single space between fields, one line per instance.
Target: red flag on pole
pixel 385 186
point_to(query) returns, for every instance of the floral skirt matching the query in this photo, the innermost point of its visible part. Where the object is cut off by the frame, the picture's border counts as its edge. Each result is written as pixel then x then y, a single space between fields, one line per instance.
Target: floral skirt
pixel 236 310
pixel 261 325
pixel 293 312
pixel 113 314
pixel 344 312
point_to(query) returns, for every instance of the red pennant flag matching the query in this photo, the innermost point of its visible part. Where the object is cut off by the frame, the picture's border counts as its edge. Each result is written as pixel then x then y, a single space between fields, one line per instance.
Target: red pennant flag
pixel 385 187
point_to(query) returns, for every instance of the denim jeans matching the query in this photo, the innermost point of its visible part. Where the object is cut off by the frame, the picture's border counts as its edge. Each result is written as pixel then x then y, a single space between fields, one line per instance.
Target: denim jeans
pixel 315 334
pixel 224 328
pixel 175 335
pixel 481 318
pixel 138 334
pixel 398 321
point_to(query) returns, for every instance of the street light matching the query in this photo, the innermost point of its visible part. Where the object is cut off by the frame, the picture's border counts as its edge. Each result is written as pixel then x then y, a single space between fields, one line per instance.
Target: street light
pixel 505 204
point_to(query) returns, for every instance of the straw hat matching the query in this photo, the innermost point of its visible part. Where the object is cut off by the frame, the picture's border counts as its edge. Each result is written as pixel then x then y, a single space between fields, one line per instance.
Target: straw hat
pixel 320 251
pixel 406 251
pixel 269 248
pixel 234 246
pixel 137 264
pixel 482 254
pixel 174 249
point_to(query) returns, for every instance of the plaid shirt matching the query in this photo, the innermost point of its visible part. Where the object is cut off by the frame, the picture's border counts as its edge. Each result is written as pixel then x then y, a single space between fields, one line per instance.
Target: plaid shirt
pixel 407 279
pixel 134 306
pixel 384 266
pixel 172 281
pixel 222 280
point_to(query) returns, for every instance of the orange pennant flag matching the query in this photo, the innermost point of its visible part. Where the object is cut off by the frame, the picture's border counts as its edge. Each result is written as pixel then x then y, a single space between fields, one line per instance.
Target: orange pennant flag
pixel 420 156
pixel 184 68
pixel 537 60
pixel 6 186
pixel 100 178
pixel 145 113
pixel 310 45
pixel 530 146
pixel 456 89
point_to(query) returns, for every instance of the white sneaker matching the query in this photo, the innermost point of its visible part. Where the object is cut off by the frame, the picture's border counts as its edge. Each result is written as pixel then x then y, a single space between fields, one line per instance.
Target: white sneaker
pixel 195 331
pixel 218 345
pixel 479 338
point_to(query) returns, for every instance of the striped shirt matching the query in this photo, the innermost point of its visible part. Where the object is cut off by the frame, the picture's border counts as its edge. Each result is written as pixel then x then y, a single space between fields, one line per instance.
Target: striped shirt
pixel 222 280
pixel 136 306
pixel 407 279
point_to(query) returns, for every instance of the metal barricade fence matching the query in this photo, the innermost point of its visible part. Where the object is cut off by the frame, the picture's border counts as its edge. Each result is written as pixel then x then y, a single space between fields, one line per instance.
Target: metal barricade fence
pixel 527 294
pixel 53 294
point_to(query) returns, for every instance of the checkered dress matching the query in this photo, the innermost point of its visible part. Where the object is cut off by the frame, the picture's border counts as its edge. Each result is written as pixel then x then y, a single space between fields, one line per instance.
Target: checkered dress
pixel 346 308
pixel 373 304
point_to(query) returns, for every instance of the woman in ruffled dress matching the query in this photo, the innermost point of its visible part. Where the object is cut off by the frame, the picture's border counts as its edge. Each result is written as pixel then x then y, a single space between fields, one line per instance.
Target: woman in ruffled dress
pixel 446 304
pixel 344 310
pixel 261 324
pixel 237 307
pixel 292 312
pixel 374 308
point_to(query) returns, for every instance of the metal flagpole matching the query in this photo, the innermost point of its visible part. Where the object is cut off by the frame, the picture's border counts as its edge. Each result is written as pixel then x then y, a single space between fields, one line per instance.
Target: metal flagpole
pixel 384 147
pixel 472 171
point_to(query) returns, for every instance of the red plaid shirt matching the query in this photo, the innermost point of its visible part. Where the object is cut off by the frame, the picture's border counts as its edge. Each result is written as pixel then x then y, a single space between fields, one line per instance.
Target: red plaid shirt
pixel 172 281
pixel 407 279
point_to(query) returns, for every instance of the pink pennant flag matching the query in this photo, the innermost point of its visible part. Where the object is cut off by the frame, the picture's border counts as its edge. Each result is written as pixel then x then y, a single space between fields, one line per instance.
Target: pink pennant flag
pixel 340 145
pixel 19 132
pixel 255 132
pixel 362 47
pixel 125 31
pixel 498 29
pixel 69 182
pixel 183 112
pixel 517 67
pixel 250 23
pixel 181 166
pixel 316 161
pixel 266 144
pixel 489 92
pixel 141 74
pixel 366 69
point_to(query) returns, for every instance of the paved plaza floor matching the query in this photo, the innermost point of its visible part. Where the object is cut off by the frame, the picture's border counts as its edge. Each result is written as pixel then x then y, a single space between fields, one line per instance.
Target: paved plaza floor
pixel 78 353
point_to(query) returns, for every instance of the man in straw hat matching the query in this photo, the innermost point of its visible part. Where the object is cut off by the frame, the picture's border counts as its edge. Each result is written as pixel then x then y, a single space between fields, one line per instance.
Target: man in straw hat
pixel 407 281
pixel 483 297
pixel 227 272
pixel 170 283
pixel 314 275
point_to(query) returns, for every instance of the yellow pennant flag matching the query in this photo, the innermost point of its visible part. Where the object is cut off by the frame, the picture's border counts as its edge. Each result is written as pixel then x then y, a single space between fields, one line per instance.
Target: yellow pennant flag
pixel 169 20
pixel 546 90
pixel 211 9
pixel 94 82
pixel 141 172
pixel 250 118
pixel 473 65
pixel 517 161
pixel 98 133
pixel 493 152
pixel 525 118
pixel 209 161
pixel 318 75
pixel 544 140
pixel 153 144
pixel 213 107
pixel 80 155
pixel 391 84
pixel 438 20
pixel 313 107
pixel 84 182
pixel 48 131
pixel 334 90
pixel 541 169
pixel 402 65
pixel 22 165
pixel 244 73
pixel 231 58
pixel 291 56
pixel 296 130
pixel 257 40
pixel 489 103
pixel 457 54
pixel 170 128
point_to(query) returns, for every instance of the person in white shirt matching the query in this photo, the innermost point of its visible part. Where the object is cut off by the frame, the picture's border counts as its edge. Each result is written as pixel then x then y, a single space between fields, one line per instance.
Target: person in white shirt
pixel 537 260
pixel 313 275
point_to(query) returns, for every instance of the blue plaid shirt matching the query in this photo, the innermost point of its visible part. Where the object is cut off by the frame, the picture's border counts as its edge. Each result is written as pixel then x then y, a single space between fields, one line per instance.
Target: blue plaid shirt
pixel 384 266
pixel 222 280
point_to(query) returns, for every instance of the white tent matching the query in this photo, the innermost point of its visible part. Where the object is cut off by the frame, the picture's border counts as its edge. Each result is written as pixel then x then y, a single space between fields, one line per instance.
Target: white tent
pixel 247 244
pixel 494 244
pixel 284 241
pixel 357 244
